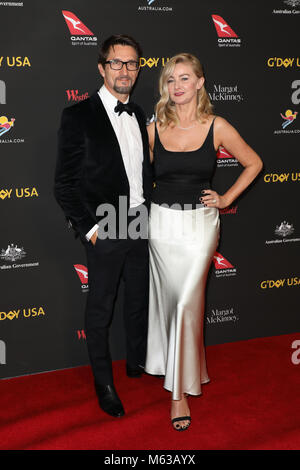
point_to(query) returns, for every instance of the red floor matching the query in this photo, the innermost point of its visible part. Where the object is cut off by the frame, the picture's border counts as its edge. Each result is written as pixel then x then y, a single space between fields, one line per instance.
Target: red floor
pixel 252 402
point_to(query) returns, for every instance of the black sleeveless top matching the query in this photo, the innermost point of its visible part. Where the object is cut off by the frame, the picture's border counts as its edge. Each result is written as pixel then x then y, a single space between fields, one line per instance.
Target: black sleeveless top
pixel 181 176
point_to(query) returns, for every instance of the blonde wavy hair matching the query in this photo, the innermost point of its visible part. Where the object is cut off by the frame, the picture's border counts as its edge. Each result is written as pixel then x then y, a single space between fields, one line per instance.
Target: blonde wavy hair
pixel 165 108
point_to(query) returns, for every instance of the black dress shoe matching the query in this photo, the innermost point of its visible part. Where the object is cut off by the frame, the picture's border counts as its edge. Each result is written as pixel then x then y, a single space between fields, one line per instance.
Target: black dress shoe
pixel 109 400
pixel 134 372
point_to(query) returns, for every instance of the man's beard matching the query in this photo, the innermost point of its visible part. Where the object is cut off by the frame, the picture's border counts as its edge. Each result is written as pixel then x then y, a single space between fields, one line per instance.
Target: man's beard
pixel 123 90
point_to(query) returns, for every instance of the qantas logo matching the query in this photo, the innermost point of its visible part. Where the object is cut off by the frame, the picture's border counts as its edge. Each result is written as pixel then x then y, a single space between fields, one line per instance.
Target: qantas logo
pixel 82 273
pixel 222 266
pixel 226 36
pixel 80 34
pixel 223 153
pixel 223 29
pixel 221 262
pixel 225 159
pixel 76 27
pixel 83 276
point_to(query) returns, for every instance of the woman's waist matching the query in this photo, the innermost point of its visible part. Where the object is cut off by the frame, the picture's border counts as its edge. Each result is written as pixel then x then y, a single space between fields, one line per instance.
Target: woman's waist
pixel 172 187
pixel 182 181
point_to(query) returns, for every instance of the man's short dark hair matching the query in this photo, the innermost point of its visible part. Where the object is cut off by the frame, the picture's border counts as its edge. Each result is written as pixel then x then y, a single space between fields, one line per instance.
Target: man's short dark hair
pixel 118 39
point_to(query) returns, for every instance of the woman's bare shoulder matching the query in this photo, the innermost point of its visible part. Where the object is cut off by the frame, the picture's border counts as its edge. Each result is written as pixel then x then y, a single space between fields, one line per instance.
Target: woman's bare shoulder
pixel 220 123
pixel 151 132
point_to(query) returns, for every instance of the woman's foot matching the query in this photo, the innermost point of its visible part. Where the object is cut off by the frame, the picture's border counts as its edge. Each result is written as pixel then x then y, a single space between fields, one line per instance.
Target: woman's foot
pixel 180 414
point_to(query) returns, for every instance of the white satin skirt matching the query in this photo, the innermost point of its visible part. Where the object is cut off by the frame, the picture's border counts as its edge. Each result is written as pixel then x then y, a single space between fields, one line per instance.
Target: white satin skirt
pixel 182 244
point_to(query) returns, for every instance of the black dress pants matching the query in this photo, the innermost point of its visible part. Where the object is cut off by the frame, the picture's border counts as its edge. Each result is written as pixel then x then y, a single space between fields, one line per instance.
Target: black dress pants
pixel 109 261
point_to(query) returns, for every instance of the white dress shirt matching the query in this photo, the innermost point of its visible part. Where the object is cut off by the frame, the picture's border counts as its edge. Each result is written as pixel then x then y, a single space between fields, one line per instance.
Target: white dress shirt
pixel 129 137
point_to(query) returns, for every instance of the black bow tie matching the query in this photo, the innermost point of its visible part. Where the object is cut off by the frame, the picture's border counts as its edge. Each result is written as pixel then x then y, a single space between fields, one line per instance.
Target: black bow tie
pixel 128 107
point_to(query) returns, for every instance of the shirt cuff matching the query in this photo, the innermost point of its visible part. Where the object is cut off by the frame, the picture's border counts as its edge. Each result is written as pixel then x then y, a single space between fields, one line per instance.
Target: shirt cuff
pixel 89 235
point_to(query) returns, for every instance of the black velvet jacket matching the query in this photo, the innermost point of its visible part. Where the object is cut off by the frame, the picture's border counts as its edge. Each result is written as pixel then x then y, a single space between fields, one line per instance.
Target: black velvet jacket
pixel 90 169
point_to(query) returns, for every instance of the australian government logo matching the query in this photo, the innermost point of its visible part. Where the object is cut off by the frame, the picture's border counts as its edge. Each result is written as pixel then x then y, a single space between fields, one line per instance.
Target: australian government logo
pixel 11 257
pixel 155 6
pixel 227 315
pixel 79 33
pixel 292 8
pixel 284 234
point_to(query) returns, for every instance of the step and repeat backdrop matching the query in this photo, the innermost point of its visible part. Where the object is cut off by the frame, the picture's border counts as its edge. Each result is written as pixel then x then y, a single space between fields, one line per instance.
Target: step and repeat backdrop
pixel 48 60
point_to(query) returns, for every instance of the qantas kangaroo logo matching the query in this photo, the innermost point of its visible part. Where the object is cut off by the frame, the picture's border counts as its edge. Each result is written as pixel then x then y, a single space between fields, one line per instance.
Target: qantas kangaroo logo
pixel 223 153
pixel 82 273
pixel 223 268
pixel 220 262
pixel 76 27
pixel 223 29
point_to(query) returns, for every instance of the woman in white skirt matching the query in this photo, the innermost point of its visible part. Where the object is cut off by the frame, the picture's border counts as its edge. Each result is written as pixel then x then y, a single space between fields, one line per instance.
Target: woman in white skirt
pixel 184 226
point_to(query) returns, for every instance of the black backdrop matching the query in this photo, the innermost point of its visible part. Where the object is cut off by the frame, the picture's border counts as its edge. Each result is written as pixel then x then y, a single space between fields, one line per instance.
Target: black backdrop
pixel 253 79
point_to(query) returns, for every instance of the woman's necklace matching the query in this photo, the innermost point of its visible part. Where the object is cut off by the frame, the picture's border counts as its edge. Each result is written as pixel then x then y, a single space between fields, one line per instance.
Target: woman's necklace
pixel 186 128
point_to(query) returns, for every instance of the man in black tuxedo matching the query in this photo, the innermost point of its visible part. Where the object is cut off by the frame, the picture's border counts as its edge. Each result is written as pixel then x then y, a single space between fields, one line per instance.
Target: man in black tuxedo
pixel 103 157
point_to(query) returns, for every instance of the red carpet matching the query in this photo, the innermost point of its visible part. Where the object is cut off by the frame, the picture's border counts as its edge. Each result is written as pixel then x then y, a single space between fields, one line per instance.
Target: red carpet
pixel 252 402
